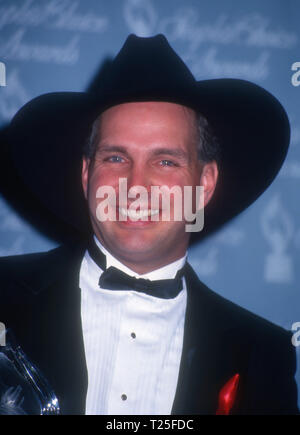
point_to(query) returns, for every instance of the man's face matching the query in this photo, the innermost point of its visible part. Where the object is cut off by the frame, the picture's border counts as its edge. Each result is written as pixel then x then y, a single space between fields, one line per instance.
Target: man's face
pixel 148 144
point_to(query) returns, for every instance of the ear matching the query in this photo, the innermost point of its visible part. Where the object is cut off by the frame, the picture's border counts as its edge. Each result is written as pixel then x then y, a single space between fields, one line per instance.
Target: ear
pixel 85 175
pixel 208 179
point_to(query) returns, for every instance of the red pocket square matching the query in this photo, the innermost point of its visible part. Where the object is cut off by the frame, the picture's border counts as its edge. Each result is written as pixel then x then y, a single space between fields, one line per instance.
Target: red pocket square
pixel 227 395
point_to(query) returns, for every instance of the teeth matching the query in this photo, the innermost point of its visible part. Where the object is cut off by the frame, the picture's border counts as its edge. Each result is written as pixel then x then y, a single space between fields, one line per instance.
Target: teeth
pixel 134 214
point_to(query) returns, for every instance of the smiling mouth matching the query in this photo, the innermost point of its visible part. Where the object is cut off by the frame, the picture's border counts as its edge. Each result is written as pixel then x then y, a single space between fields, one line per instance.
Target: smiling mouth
pixel 137 214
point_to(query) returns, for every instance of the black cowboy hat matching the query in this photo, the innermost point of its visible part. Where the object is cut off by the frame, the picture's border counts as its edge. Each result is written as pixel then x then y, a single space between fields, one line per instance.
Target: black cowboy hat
pixel 47 135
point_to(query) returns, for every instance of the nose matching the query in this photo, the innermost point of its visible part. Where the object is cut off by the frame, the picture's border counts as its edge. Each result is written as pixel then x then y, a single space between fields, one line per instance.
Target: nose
pixel 138 176
pixel 139 181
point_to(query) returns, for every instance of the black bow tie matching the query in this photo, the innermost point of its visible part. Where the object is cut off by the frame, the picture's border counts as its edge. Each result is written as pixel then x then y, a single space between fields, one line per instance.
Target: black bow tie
pixel 115 279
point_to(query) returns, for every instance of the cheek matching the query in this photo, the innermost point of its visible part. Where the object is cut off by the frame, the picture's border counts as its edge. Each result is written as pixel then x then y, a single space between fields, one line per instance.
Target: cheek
pixel 102 177
pixel 181 180
pixel 100 184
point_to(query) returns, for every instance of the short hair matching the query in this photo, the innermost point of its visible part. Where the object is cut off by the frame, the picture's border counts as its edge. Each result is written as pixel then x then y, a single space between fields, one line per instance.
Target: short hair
pixel 208 146
pixel 90 146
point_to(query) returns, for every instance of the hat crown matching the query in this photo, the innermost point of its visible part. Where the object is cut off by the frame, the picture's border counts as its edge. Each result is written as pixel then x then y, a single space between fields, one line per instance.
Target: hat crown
pixel 147 68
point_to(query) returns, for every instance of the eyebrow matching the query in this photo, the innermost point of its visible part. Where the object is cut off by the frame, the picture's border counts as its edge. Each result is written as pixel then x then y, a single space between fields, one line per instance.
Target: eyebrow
pixel 172 152
pixel 158 151
pixel 112 148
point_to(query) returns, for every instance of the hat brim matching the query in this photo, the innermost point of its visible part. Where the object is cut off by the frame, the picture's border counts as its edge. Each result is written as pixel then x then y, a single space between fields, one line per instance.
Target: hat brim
pixel 47 137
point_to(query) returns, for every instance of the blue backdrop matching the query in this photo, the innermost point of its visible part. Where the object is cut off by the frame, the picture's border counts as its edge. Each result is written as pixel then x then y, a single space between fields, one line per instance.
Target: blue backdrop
pixel 58 45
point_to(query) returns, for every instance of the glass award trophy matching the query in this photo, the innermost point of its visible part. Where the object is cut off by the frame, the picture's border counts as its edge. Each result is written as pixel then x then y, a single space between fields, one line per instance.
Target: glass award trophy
pixel 24 390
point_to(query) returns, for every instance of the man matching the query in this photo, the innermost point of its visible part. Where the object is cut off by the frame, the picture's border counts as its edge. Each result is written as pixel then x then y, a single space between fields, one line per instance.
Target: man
pixel 118 322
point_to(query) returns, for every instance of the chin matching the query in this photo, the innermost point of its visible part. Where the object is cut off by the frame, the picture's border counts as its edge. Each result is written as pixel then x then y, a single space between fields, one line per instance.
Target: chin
pixel 136 246
pixel 140 245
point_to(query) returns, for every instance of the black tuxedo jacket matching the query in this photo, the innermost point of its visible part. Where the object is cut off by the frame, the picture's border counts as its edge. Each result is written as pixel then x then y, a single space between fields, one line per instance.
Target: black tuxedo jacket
pixel 40 302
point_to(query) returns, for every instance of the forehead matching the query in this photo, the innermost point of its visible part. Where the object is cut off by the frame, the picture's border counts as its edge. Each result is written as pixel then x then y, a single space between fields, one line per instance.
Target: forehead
pixel 150 108
pixel 148 118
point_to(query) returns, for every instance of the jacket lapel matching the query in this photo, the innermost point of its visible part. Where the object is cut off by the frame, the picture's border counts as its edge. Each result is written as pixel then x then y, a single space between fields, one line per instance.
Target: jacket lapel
pixel 64 349
pixel 214 350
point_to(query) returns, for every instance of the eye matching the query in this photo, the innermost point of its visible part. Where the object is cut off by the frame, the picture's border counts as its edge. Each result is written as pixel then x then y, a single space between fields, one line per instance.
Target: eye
pixel 114 159
pixel 166 162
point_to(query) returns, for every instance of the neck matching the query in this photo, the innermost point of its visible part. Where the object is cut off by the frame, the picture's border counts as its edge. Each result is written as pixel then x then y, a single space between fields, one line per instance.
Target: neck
pixel 143 264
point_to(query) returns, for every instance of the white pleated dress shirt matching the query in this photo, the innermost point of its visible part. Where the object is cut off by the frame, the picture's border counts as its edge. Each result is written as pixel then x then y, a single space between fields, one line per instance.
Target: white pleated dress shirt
pixel 133 342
